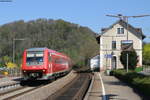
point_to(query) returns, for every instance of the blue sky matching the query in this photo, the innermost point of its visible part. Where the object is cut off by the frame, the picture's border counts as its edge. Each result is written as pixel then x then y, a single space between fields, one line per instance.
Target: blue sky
pixel 90 13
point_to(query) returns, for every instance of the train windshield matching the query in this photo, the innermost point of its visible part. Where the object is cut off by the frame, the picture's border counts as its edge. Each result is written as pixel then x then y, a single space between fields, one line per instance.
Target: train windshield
pixel 34 58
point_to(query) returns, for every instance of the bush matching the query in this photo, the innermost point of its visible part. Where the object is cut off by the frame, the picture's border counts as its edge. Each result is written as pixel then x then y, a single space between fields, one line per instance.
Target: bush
pixel 136 80
pixel 11 65
pixel 132 59
pixel 143 84
pixel 139 69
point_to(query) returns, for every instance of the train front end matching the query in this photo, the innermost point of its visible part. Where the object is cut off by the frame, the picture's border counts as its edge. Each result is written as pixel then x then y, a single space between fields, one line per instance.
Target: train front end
pixel 34 65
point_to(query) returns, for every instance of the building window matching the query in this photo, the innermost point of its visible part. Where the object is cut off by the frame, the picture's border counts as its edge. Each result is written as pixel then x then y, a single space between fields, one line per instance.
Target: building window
pixel 113 45
pixel 120 30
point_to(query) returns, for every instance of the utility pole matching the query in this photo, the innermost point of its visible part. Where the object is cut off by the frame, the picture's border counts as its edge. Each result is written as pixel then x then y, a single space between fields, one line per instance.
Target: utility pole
pixel 125 18
pixel 19 39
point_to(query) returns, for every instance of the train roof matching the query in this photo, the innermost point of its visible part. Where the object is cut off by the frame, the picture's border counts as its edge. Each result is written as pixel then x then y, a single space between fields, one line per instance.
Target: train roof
pixel 42 49
pixel 36 49
pixel 96 57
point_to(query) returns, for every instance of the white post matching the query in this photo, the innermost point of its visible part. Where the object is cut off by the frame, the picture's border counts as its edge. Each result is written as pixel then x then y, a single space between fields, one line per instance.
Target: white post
pixel 13 51
pixel 127 61
pixel 99 53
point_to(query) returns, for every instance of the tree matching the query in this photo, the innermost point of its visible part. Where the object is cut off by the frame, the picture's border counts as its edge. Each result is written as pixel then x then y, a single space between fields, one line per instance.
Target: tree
pixel 146 54
pixel 132 59
pixel 5 60
pixel 79 43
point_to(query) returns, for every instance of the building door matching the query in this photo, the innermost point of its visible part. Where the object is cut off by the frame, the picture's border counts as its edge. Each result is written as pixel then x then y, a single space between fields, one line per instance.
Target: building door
pixel 114 62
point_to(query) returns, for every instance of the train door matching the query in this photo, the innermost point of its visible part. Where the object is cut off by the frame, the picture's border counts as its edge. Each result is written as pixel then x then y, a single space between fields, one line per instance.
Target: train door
pixel 50 66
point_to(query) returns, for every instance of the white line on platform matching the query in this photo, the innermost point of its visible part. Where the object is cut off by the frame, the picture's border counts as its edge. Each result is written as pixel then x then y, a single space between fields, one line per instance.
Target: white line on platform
pixel 103 88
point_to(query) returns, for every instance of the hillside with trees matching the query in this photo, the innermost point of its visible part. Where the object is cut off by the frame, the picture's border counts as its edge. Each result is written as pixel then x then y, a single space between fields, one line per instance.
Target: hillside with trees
pixel 76 41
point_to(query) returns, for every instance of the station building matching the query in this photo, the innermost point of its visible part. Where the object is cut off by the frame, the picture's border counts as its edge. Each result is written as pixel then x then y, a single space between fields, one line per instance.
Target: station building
pixel 112 41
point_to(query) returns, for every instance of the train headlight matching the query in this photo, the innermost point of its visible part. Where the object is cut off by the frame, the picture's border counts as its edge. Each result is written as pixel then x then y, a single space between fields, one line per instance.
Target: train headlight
pixel 44 70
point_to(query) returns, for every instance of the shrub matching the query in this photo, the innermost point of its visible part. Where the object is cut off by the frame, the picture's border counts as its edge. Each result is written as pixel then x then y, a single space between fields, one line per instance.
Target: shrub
pixel 143 84
pixel 132 59
pixel 139 69
pixel 11 65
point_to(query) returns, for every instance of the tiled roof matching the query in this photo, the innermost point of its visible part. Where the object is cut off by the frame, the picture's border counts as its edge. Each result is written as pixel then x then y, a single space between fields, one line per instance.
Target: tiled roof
pixel 137 31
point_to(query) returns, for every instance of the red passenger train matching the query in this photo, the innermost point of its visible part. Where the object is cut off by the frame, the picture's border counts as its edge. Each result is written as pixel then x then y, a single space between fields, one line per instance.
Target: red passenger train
pixel 44 64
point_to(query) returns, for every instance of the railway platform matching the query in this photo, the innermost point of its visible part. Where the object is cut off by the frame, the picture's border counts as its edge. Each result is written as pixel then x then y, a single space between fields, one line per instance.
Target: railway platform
pixel 104 87
pixel 95 91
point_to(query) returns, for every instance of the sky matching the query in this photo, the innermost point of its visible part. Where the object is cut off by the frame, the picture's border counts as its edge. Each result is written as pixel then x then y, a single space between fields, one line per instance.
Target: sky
pixel 89 13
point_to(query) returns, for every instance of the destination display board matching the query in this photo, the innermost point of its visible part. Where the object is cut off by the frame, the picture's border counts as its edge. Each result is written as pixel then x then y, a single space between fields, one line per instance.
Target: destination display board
pixel 35 54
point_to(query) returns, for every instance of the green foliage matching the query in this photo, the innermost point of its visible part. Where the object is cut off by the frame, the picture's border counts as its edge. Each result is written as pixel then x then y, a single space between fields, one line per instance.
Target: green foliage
pixel 146 54
pixel 77 42
pixel 132 59
pixel 5 60
pixel 139 69
pixel 137 81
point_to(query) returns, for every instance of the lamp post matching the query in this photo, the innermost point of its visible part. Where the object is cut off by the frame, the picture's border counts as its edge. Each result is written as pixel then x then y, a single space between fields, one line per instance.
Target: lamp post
pixel 125 18
pixel 15 39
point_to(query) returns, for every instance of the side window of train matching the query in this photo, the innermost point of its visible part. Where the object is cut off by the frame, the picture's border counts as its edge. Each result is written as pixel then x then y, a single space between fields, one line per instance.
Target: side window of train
pixel 60 61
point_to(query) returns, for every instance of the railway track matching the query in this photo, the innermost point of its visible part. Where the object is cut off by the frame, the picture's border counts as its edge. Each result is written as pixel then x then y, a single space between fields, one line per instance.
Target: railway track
pixel 9 86
pixel 75 90
pixel 20 90
pixel 36 91
pixel 74 84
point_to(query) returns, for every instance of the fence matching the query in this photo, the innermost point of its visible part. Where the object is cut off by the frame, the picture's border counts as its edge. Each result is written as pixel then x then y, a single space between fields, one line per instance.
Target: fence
pixel 146 68
pixel 10 72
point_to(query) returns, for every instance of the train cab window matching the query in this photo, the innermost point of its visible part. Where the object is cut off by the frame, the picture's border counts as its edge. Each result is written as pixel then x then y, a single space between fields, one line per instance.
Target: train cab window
pixel 34 58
